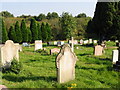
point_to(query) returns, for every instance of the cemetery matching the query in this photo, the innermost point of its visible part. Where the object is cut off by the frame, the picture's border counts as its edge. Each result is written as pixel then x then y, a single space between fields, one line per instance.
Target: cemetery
pixel 87 70
pixel 45 49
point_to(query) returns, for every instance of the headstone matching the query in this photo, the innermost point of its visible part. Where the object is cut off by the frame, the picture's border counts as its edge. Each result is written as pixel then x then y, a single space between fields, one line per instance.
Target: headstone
pixel 55 42
pixel 18 46
pixel 8 52
pixel 59 43
pixel 90 41
pixel 38 44
pixel 3 87
pixel 49 43
pixel 65 62
pixel 70 41
pixel 54 50
pixel 85 42
pixel 81 42
pixel 62 42
pixel 98 50
pixel 25 44
pixel 116 41
pixel 115 56
pixel 75 42
pixel 94 41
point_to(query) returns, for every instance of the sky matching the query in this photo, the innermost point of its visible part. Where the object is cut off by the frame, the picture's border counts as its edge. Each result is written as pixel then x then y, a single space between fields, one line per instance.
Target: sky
pixel 35 7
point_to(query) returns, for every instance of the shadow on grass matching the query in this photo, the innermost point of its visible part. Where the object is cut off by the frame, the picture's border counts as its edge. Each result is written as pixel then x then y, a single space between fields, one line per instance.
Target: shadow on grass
pixel 85 54
pixel 88 45
pixel 34 78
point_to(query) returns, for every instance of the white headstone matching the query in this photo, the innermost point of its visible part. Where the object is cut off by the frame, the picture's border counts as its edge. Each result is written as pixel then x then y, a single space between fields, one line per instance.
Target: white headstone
pixel 90 41
pixel 38 44
pixel 115 54
pixel 94 41
pixel 62 42
pixel 81 42
pixel 8 52
pixel 65 62
pixel 55 42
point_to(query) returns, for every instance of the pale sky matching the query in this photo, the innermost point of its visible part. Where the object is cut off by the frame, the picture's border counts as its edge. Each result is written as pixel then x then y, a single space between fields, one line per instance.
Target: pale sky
pixel 35 7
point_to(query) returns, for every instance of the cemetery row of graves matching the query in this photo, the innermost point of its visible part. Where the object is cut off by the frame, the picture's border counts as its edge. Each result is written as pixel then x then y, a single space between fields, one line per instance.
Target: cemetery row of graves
pixel 60 64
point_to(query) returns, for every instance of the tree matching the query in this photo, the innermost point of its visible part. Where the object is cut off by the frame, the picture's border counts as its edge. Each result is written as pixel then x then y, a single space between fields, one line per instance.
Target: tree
pixel 11 34
pixel 6 14
pixel 39 32
pixel 41 17
pixel 68 25
pixel 48 28
pixel 49 16
pixel 18 33
pixel 44 32
pixel 33 28
pixel 29 34
pixel 103 19
pixel 54 15
pixel 81 15
pixel 4 33
pixel 24 31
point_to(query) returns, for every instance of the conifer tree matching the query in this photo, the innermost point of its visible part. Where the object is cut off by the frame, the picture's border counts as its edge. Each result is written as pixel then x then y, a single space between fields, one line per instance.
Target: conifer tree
pixel 18 33
pixel 44 32
pixel 48 28
pixel 11 34
pixel 33 28
pixel 4 33
pixel 39 32
pixel 24 31
pixel 29 35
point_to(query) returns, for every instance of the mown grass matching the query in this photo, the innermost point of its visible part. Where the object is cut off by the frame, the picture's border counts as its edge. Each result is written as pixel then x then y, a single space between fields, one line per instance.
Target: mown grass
pixel 39 71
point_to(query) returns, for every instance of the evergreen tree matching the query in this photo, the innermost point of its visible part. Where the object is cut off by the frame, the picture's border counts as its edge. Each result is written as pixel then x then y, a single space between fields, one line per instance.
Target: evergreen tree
pixel 68 25
pixel 48 28
pixel 4 33
pixel 29 35
pixel 44 32
pixel 11 34
pixel 18 33
pixel 33 28
pixel 103 19
pixel 24 31
pixel 39 32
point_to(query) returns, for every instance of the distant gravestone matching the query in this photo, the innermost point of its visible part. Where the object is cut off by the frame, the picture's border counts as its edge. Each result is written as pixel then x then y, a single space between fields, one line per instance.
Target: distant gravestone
pixel 116 41
pixel 94 41
pixel 25 44
pixel 8 52
pixel 18 46
pixel 75 42
pixel 115 56
pixel 98 50
pixel 90 41
pixel 62 42
pixel 59 43
pixel 54 50
pixel 55 42
pixel 85 42
pixel 38 44
pixel 81 41
pixel 65 62
pixel 49 43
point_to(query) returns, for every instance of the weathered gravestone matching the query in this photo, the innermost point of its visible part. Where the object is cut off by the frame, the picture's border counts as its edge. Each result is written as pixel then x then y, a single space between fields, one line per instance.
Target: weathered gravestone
pixel 115 56
pixel 25 44
pixel 65 62
pixel 98 50
pixel 8 52
pixel 3 87
pixel 94 41
pixel 90 41
pixel 62 42
pixel 81 41
pixel 59 43
pixel 55 42
pixel 49 43
pixel 85 42
pixel 18 46
pixel 54 50
pixel 38 44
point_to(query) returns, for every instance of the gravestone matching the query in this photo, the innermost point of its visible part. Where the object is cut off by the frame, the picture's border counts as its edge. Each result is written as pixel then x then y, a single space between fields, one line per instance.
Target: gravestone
pixel 81 42
pixel 49 43
pixel 3 87
pixel 65 63
pixel 115 56
pixel 55 42
pixel 62 42
pixel 8 52
pixel 54 50
pixel 72 44
pixel 75 42
pixel 18 46
pixel 116 41
pixel 38 44
pixel 94 41
pixel 70 41
pixel 98 50
pixel 85 42
pixel 59 43
pixel 90 41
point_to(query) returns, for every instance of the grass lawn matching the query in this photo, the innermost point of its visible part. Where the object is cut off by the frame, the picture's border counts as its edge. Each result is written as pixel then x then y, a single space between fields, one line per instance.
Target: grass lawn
pixel 39 71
